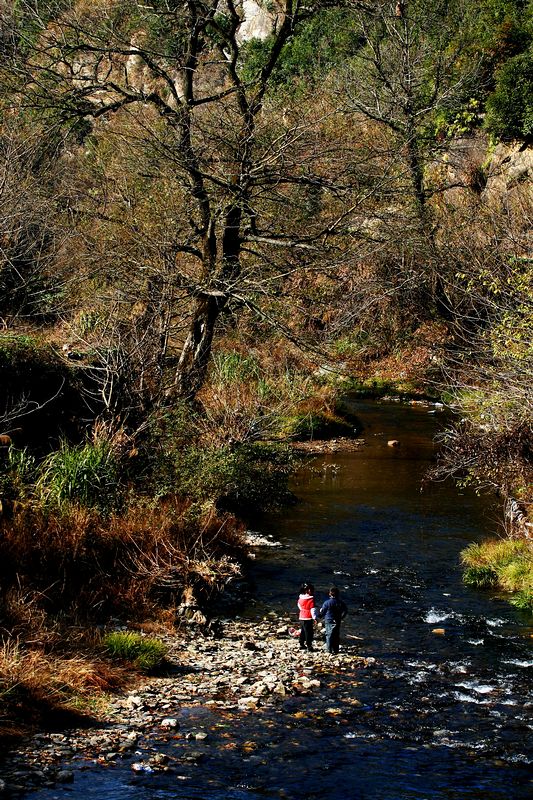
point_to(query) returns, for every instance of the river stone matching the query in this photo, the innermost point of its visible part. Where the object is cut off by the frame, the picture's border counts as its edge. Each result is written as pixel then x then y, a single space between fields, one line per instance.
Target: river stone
pixel 140 766
pixel 169 722
pixel 133 701
pixel 248 703
pixel 65 776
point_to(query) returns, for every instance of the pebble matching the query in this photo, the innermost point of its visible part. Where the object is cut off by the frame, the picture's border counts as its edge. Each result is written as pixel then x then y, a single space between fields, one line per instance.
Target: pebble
pixel 65 776
pixel 234 673
pixel 169 722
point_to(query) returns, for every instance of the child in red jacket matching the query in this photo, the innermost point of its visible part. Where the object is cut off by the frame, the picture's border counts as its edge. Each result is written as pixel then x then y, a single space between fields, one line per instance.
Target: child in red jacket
pixel 308 613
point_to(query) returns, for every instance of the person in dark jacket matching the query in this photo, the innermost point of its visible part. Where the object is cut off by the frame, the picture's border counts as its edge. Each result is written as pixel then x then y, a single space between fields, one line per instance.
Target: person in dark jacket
pixel 333 611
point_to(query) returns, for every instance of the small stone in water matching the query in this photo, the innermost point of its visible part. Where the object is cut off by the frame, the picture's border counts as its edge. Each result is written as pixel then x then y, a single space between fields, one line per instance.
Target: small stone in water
pixel 65 776
pixel 169 722
pixel 140 766
pixel 439 631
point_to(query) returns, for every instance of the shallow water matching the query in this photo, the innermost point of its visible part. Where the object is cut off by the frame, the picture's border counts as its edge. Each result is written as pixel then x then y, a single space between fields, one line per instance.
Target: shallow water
pixel 438 716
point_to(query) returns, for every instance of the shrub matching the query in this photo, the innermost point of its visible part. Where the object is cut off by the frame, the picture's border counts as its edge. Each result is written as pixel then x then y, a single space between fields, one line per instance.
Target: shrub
pixel 251 476
pixel 510 106
pixel 145 654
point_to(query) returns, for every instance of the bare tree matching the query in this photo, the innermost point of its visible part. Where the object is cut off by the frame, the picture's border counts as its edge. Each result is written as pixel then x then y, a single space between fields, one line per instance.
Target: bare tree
pixel 413 66
pixel 174 69
pixel 31 235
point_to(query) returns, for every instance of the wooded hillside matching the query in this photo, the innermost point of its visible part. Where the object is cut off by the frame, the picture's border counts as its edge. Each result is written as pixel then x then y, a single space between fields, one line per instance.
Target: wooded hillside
pixel 216 217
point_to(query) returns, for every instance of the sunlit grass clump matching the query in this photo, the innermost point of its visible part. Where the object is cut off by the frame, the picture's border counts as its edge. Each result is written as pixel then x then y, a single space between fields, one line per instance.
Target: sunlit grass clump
pixel 145 654
pixel 505 564
pixel 87 474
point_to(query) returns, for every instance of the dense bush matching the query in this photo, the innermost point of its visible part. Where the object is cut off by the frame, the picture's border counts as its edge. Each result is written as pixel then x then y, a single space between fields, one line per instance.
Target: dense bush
pixel 251 477
pixel 41 397
pixel 510 106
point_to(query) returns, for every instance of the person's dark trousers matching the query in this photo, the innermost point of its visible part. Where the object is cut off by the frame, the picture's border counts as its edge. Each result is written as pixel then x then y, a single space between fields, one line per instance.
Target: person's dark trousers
pixel 306 634
pixel 333 636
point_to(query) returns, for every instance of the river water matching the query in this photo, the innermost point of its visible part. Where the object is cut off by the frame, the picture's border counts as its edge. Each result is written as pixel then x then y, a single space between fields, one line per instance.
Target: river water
pixel 439 715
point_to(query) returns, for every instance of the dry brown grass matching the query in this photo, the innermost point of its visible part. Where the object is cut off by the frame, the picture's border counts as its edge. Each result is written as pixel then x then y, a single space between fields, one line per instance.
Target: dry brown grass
pixel 38 687
pixel 82 568
pixel 126 564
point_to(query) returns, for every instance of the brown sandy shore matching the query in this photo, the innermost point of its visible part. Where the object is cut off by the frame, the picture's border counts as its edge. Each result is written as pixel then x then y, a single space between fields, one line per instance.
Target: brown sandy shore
pixel 253 667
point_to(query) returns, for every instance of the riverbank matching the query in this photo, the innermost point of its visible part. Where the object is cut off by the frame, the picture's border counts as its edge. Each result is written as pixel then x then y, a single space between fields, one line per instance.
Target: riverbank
pixel 255 666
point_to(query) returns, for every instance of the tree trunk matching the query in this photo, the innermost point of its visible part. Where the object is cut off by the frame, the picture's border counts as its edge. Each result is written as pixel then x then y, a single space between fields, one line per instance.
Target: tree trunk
pixel 194 359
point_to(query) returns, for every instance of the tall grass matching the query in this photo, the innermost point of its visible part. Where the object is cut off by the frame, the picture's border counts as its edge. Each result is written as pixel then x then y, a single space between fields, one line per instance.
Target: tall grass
pixel 86 474
pixel 77 561
pixel 18 472
pixel 231 367
pixel 505 564
pixel 146 654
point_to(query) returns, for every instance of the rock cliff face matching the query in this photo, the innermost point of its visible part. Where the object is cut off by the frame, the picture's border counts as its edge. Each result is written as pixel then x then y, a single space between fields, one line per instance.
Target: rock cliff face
pixel 510 166
pixel 258 22
pixel 133 72
pixel 472 165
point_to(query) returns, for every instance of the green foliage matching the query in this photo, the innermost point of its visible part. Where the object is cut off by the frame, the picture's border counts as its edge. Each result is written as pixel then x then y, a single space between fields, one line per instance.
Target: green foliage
pixel 85 474
pixel 523 600
pixel 351 345
pixel 87 321
pixel 496 553
pixel 17 474
pixel 31 18
pixel 13 346
pixel 506 564
pixel 480 577
pixel 250 477
pixel 510 106
pixel 145 654
pixel 503 28
pixel 461 122
pixel 232 367
pixel 163 26
pixel 317 425
pixel 319 45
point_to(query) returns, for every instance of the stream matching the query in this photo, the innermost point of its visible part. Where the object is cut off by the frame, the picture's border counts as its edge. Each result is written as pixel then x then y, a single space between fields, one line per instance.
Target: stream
pixel 443 714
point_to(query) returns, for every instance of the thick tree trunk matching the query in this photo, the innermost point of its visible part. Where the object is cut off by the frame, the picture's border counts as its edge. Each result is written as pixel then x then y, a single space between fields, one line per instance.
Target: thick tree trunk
pixel 196 352
pixel 194 359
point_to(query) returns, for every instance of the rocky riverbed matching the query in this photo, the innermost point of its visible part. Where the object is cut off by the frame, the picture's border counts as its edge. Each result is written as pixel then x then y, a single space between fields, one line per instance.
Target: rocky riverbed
pixel 166 724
